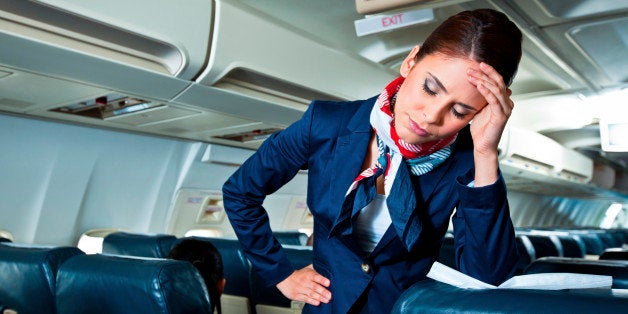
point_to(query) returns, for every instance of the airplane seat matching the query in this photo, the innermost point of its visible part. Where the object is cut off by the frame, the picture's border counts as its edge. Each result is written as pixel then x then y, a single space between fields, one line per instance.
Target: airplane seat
pixel 269 300
pixel 430 296
pixel 616 236
pixel 28 275
pixel 608 239
pixel 526 253
pixel 447 252
pixel 291 237
pixel 593 243
pixel 543 246
pixel 571 247
pixel 135 244
pixel 617 269
pixel 614 254
pixel 237 271
pixel 100 283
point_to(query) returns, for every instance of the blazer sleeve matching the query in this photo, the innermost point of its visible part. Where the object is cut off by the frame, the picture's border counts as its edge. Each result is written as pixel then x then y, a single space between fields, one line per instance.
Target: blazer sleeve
pixel 483 231
pixel 275 163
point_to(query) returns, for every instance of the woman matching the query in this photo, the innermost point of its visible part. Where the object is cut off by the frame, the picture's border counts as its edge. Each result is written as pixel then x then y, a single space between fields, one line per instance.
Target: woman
pixel 385 174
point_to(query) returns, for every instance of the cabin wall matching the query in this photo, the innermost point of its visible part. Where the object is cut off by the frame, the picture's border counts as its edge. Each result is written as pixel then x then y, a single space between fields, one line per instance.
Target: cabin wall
pixel 211 176
pixel 60 180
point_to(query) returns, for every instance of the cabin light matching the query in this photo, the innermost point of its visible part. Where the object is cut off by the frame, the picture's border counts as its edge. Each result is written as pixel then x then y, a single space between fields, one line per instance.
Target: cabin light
pixel 611 215
pixel 613 120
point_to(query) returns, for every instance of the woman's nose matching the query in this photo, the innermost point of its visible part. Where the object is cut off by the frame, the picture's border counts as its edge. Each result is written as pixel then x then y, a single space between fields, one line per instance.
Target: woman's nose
pixel 432 114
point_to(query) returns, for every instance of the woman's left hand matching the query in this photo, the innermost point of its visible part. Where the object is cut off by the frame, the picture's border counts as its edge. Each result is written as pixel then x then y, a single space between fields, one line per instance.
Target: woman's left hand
pixel 488 124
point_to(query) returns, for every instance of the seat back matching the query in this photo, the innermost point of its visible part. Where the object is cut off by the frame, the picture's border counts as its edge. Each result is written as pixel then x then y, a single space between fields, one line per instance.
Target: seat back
pixel 121 284
pixel 142 245
pixel 544 246
pixel 526 253
pixel 447 253
pixel 617 269
pixel 571 246
pixel 592 242
pixel 28 275
pixel 270 299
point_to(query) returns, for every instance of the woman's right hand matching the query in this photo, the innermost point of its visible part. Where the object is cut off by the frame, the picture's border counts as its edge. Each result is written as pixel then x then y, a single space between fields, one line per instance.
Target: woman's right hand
pixel 306 285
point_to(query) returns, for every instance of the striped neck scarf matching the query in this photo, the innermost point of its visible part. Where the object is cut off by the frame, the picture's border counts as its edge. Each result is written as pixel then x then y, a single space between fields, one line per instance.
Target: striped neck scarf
pixel 420 158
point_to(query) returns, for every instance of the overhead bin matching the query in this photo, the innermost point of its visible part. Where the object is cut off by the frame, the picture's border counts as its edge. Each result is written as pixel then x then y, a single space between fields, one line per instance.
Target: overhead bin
pixel 160 35
pixel 528 158
pixel 250 55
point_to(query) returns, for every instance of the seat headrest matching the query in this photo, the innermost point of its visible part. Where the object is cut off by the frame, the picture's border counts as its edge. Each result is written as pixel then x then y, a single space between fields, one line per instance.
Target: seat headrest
pixel 144 245
pixel 121 284
pixel 27 276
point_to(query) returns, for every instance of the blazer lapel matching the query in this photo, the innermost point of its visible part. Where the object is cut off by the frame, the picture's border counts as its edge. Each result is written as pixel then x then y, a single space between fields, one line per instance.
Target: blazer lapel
pixel 348 157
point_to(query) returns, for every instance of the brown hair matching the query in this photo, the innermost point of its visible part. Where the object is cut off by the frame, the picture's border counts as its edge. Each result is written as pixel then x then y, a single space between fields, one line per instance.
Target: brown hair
pixel 207 260
pixel 484 35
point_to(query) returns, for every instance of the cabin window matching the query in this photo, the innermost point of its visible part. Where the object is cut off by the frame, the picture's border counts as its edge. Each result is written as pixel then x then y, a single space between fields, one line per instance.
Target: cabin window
pixel 90 241
pixel 7 235
pixel 611 215
pixel 205 233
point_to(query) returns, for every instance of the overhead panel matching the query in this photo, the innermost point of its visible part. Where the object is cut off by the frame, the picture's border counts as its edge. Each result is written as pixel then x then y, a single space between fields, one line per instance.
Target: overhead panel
pixel 169 33
pixel 23 92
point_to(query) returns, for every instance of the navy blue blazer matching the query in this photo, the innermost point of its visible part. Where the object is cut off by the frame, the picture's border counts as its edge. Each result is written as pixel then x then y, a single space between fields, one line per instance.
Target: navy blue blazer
pixel 331 141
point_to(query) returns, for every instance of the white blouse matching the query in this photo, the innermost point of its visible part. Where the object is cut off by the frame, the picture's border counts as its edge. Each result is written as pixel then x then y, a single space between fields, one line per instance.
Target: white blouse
pixel 372 223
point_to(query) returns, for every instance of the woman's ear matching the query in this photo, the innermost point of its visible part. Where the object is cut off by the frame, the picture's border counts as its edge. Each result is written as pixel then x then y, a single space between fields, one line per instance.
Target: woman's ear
pixel 221 285
pixel 408 62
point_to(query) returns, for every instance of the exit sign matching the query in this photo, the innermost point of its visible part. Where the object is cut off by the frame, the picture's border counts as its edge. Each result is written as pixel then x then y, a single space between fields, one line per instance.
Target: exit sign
pixel 382 23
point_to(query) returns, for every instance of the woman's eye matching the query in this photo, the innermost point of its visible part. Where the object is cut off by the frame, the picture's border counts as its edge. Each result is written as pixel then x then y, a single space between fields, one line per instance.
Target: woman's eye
pixel 457 114
pixel 427 89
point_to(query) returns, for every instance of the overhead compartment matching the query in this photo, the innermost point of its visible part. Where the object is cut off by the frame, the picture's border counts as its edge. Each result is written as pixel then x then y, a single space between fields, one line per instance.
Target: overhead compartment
pixel 532 162
pixel 150 34
pixel 250 55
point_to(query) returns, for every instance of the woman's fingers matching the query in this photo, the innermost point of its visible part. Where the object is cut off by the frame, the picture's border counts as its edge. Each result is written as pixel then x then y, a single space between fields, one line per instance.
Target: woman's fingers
pixel 306 285
pixel 491 85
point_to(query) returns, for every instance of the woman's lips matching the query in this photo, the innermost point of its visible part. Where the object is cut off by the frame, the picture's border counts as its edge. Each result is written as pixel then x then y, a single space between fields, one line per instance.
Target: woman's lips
pixel 417 130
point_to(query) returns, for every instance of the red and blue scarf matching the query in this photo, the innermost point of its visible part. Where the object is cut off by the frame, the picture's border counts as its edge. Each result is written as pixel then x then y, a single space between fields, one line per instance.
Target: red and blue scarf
pixel 419 158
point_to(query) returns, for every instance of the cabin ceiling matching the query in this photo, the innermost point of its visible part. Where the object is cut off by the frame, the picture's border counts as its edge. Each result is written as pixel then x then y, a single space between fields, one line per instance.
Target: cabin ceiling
pixel 214 68
pixel 564 53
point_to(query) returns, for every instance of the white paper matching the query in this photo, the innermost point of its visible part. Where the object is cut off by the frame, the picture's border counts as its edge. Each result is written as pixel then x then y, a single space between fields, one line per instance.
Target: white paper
pixel 543 281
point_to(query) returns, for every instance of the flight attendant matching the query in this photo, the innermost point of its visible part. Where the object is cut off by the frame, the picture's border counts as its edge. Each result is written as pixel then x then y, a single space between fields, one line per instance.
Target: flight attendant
pixel 385 175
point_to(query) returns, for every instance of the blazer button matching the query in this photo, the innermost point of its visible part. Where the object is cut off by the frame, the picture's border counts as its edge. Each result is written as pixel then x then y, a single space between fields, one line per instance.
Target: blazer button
pixel 366 268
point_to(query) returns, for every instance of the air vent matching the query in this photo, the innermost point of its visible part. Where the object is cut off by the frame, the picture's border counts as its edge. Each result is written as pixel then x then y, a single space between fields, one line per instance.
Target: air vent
pixel 107 106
